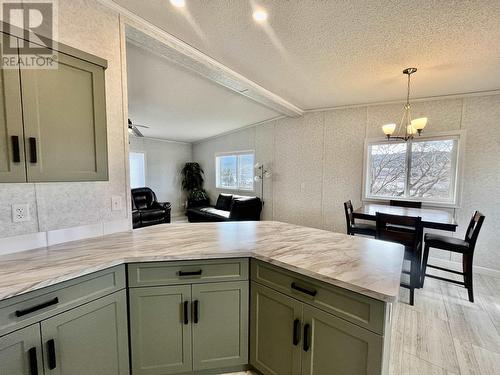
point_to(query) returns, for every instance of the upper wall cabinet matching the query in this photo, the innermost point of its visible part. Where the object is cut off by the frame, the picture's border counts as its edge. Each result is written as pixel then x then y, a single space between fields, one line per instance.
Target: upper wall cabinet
pixel 53 121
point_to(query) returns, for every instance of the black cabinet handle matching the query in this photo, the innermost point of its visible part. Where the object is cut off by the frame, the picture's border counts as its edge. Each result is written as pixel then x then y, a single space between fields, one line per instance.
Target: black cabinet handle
pixel 33 156
pixel 16 154
pixel 196 311
pixel 32 309
pixel 186 317
pixel 51 354
pixel 309 292
pixel 33 361
pixel 296 332
pixel 307 344
pixel 190 273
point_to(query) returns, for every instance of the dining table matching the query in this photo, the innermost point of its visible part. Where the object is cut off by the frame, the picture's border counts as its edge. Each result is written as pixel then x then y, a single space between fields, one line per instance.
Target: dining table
pixel 431 218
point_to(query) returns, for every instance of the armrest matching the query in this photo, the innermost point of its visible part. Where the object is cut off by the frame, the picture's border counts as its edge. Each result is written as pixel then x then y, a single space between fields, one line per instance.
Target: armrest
pixel 162 205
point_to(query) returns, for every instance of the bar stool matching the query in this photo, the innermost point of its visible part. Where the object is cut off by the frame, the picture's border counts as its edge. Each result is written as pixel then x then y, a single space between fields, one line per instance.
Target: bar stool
pixel 465 247
pixel 357 228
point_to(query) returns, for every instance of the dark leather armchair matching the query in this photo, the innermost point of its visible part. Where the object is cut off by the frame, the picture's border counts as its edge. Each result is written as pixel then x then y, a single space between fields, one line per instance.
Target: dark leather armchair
pixel 146 210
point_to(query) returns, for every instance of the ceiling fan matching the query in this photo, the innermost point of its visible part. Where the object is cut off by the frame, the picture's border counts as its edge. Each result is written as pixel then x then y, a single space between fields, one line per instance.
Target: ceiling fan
pixel 132 128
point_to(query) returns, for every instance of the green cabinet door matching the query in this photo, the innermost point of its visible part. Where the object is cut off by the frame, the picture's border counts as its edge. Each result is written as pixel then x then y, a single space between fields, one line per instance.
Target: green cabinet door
pixel 160 336
pixel 220 325
pixel 20 352
pixel 337 347
pixel 273 350
pixel 90 339
pixel 12 163
pixel 65 121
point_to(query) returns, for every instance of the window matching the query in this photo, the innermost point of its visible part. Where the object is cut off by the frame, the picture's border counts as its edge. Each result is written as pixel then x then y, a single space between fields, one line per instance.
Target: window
pixel 137 170
pixel 424 169
pixel 235 171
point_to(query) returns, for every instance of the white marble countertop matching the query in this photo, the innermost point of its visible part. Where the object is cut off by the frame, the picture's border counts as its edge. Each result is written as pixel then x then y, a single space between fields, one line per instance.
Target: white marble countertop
pixel 362 265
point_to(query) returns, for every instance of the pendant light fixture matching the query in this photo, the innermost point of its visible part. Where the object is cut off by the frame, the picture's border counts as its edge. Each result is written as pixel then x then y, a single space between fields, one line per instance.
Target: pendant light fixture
pixel 408 127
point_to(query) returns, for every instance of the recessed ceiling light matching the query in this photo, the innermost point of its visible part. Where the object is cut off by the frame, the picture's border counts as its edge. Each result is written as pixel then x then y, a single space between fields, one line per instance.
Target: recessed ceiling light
pixel 260 15
pixel 178 3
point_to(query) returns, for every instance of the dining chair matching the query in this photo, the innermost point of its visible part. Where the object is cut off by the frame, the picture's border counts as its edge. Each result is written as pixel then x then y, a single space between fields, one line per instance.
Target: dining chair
pixel 410 204
pixel 465 247
pixel 354 228
pixel 407 231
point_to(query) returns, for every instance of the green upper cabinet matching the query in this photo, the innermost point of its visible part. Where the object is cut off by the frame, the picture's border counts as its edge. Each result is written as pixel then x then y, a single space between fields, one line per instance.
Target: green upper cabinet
pixel 12 161
pixel 53 121
pixel 65 121
pixel 90 339
pixel 220 324
pixel 160 330
pixel 21 352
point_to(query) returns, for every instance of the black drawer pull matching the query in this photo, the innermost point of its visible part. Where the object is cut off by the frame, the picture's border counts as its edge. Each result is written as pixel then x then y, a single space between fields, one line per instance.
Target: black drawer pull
pixel 30 310
pixel 190 273
pixel 196 311
pixel 186 316
pixel 33 156
pixel 16 154
pixel 33 361
pixel 307 344
pixel 296 332
pixel 312 292
pixel 51 354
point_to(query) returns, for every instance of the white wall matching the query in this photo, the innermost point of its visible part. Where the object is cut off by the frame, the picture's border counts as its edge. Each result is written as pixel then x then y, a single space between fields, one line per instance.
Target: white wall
pixel 317 162
pixel 89 26
pixel 164 161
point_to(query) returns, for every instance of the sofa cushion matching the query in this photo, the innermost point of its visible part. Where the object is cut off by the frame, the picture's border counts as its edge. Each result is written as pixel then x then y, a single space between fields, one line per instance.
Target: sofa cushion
pixel 215 211
pixel 157 214
pixel 224 202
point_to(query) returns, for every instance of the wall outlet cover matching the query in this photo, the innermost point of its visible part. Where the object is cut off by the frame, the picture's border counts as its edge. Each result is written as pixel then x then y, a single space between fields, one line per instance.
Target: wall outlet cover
pixel 116 203
pixel 21 213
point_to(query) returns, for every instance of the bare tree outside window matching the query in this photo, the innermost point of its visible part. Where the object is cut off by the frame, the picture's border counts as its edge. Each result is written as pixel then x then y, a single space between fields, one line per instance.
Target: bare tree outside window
pixel 235 172
pixel 418 169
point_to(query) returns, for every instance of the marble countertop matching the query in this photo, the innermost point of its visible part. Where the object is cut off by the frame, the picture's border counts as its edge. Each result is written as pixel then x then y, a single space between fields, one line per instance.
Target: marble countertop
pixel 362 265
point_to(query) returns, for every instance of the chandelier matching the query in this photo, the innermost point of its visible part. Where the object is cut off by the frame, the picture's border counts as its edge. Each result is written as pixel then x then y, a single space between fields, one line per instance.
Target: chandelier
pixel 408 127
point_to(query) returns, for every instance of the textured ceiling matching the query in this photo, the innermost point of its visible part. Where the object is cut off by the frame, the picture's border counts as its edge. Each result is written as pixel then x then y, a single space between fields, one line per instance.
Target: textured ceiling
pixel 321 53
pixel 180 105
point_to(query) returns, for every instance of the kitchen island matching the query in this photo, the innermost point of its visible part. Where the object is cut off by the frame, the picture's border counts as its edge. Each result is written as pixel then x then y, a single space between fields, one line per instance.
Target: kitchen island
pixel 344 284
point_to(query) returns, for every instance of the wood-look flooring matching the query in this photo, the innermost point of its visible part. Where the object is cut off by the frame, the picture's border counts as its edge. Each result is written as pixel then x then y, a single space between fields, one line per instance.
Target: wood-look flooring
pixel 445 334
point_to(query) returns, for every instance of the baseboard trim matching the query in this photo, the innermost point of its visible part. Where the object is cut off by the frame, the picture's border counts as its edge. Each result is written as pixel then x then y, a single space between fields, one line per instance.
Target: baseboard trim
pixel 458 267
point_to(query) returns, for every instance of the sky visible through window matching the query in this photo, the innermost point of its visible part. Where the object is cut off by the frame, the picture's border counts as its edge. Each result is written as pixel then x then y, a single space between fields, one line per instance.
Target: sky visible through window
pixel 235 171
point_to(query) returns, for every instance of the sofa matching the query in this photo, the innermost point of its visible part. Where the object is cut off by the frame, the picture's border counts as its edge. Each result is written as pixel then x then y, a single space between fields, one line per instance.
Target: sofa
pixel 146 210
pixel 228 208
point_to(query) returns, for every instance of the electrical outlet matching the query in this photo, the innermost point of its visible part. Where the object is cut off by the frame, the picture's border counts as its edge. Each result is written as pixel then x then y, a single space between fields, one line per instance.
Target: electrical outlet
pixel 116 203
pixel 20 212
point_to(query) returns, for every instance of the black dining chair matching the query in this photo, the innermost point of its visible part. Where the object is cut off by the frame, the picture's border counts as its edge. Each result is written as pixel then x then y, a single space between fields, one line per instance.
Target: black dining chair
pixel 407 231
pixel 354 228
pixel 465 247
pixel 410 204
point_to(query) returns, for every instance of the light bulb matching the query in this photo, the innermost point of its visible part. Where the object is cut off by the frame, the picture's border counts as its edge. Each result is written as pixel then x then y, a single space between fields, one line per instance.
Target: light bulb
pixel 257 165
pixel 178 3
pixel 389 129
pixel 260 15
pixel 419 123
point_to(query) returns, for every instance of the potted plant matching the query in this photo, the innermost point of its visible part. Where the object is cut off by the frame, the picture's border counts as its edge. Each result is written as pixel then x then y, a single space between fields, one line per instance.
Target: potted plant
pixel 192 183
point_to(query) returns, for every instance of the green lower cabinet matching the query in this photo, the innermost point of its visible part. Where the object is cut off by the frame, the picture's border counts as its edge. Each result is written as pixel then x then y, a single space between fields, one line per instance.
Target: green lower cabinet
pixel 90 339
pixel 334 346
pixel 20 352
pixel 220 325
pixel 273 350
pixel 160 338
pixel 289 337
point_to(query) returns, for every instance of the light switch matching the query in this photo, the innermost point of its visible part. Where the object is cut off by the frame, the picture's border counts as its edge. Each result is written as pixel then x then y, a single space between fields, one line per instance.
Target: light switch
pixel 116 203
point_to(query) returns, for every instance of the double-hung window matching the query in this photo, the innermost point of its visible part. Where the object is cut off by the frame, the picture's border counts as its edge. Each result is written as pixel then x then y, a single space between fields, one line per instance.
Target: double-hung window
pixel 422 169
pixel 235 170
pixel 137 169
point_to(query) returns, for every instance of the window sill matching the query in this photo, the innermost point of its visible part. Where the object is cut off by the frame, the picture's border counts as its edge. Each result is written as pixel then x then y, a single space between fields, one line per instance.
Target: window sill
pixel 427 204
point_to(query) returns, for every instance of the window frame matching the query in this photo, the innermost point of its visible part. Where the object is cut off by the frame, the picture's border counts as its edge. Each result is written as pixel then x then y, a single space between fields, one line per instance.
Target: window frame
pixel 455 202
pixel 237 154
pixel 145 167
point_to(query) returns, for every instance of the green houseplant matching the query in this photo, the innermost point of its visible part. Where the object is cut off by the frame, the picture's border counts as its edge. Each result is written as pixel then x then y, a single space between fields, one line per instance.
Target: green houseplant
pixel 192 183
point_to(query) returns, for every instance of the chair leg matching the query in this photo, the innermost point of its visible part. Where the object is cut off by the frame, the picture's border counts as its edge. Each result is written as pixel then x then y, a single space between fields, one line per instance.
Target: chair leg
pixel 414 279
pixel 424 265
pixel 468 277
